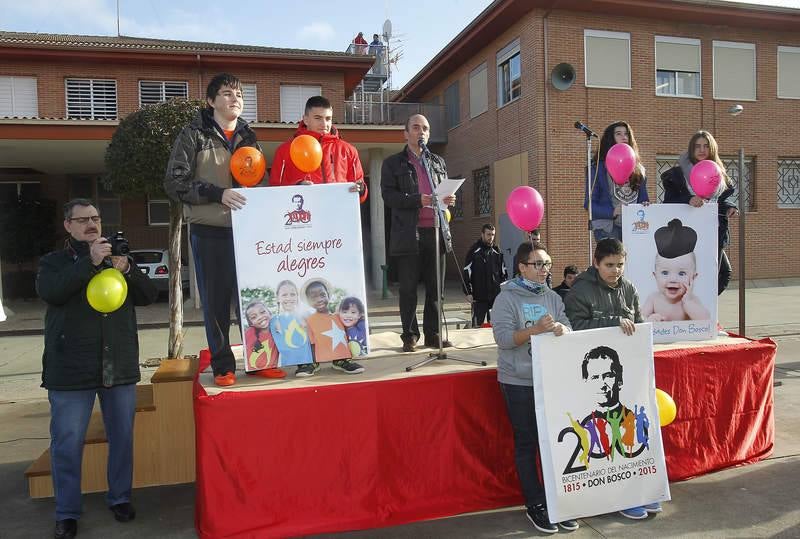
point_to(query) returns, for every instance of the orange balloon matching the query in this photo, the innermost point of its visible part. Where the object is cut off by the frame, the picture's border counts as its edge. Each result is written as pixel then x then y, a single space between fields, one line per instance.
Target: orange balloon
pixel 248 166
pixel 306 153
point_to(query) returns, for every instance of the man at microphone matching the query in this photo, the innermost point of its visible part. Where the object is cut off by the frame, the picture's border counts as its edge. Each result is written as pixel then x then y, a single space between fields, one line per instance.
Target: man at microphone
pixel 406 190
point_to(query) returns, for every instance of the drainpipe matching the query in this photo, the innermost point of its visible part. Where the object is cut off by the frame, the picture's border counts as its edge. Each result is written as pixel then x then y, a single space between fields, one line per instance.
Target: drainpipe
pixel 545 80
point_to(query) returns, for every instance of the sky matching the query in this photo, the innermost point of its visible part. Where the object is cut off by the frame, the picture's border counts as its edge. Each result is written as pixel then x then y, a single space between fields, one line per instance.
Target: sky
pixel 419 31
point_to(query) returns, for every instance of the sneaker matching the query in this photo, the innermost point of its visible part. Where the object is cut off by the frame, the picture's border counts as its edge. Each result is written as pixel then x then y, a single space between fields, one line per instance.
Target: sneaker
pixel 720 331
pixel 570 524
pixel 635 513
pixel 345 365
pixel 269 373
pixel 538 517
pixel 652 507
pixel 307 369
pixel 225 380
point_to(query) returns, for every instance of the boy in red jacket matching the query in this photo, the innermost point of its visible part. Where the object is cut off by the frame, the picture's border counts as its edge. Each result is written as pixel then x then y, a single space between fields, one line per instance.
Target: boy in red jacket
pixel 340 161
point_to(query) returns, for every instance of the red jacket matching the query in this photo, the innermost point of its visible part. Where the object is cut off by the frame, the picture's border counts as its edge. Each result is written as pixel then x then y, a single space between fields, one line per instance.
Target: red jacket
pixel 340 162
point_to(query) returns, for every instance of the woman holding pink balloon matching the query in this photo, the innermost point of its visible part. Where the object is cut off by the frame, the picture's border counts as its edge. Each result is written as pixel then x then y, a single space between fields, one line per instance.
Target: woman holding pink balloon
pixel 707 182
pixel 617 179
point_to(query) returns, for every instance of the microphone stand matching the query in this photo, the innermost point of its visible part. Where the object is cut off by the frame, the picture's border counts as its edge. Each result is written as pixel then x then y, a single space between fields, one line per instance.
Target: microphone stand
pixel 442 233
pixel 589 186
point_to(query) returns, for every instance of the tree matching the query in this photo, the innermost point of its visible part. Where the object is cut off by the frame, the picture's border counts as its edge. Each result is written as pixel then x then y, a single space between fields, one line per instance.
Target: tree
pixel 136 161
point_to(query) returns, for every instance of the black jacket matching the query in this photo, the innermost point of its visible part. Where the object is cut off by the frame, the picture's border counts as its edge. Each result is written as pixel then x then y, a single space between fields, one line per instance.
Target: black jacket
pixel 484 270
pixel 400 192
pixel 85 349
pixel 676 192
pixel 591 303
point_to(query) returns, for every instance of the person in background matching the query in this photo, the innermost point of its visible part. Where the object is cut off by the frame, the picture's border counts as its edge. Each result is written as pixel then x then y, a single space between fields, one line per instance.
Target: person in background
pixel 607 196
pixel 570 273
pixel 484 271
pixel 678 190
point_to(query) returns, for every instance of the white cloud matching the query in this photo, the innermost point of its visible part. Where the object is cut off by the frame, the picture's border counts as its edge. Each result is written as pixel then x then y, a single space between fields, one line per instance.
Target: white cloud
pixel 317 31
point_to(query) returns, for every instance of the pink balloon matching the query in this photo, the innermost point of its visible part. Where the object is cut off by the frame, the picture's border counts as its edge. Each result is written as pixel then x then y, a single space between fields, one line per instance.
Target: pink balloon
pixel 705 178
pixel 620 162
pixel 525 208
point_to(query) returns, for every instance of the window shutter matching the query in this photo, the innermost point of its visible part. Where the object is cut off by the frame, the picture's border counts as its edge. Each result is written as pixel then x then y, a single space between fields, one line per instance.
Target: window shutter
pixel 250 95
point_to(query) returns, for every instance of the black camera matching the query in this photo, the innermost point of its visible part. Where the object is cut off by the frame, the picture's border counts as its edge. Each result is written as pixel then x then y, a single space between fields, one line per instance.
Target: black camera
pixel 119 245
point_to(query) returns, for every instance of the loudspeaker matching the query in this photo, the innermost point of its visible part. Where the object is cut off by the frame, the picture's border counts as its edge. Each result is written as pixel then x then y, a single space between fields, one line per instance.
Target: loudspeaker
pixel 562 76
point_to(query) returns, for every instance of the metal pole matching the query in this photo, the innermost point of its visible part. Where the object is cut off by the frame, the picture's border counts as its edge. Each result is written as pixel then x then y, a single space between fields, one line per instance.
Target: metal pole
pixel 589 190
pixel 742 212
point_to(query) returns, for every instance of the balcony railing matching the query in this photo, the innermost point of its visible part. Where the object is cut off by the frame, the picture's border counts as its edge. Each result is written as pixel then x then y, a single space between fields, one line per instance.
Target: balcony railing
pixel 381 54
pixel 370 110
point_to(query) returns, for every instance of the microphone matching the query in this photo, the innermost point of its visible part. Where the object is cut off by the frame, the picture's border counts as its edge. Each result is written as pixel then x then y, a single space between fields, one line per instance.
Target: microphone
pixel 422 146
pixel 586 130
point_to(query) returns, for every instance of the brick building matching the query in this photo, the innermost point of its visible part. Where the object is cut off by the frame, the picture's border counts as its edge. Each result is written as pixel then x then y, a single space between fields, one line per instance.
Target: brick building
pixel 61 97
pixel 667 67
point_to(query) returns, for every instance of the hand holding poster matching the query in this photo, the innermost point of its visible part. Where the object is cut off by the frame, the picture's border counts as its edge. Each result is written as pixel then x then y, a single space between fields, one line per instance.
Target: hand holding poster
pixel 600 439
pixel 672 261
pixel 299 265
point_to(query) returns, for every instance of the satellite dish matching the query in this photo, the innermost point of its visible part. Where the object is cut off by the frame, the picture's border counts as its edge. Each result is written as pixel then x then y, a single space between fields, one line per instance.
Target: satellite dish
pixel 387 30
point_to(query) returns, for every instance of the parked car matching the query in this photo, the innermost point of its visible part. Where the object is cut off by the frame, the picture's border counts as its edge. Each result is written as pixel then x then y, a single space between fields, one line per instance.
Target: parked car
pixel 154 263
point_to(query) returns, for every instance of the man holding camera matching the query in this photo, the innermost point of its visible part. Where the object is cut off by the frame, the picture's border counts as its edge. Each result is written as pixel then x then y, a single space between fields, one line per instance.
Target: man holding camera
pixel 88 354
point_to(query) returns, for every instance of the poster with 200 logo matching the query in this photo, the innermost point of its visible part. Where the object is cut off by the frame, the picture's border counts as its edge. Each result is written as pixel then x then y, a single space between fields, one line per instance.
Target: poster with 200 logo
pixel 599 435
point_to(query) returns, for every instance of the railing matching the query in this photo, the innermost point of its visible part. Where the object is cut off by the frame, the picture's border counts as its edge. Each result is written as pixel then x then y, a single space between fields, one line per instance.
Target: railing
pixel 381 54
pixel 369 109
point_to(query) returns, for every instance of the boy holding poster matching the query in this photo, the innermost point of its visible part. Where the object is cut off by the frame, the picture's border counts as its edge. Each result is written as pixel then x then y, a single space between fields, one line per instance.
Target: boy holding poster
pixel 526 306
pixel 602 297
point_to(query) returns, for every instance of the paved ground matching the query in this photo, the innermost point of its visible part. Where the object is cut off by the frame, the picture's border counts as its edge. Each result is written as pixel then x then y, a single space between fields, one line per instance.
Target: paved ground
pixel 760 500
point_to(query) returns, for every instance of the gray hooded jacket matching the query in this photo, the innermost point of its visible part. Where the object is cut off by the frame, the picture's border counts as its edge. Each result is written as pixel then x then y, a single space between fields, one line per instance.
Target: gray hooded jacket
pixel 516 308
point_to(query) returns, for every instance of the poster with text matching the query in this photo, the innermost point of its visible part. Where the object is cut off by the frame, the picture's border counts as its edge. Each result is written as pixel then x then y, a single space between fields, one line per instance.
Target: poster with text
pixel 599 435
pixel 300 268
pixel 672 261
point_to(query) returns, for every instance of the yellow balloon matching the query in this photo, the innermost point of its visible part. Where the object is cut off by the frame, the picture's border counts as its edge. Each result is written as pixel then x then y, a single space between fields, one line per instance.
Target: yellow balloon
pixel 666 408
pixel 447 215
pixel 107 291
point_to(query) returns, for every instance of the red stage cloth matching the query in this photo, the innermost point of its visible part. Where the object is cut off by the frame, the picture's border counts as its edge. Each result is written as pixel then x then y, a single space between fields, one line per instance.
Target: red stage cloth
pixel 278 463
pixel 724 396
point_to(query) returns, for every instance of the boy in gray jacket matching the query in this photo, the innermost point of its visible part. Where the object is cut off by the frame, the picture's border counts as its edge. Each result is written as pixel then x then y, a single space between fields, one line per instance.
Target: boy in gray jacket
pixel 525 307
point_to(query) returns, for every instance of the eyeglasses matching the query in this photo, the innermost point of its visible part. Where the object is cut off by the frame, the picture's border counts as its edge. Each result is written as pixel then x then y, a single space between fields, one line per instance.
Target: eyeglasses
pixel 85 220
pixel 539 264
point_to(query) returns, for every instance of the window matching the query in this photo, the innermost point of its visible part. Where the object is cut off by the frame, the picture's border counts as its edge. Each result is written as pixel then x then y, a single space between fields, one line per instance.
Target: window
pixel 18 97
pixel 478 91
pixel 152 91
pixel 663 164
pixel 12 192
pixel 452 106
pixel 106 202
pixel 92 99
pixel 293 101
pixel 607 59
pixel 483 191
pixel 249 94
pixel 509 74
pixel 789 72
pixel 789 183
pixel 734 70
pixel 157 212
pixel 677 66
pixel 732 168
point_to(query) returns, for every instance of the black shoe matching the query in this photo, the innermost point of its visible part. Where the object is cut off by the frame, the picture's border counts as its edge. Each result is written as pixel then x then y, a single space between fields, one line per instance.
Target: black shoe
pixel 570 524
pixel 410 345
pixel 433 342
pixel 538 517
pixel 123 512
pixel 307 369
pixel 347 366
pixel 66 529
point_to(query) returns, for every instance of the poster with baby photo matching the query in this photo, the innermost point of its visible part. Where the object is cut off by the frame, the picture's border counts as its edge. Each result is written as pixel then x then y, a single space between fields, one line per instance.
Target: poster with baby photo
pixel 300 268
pixel 672 261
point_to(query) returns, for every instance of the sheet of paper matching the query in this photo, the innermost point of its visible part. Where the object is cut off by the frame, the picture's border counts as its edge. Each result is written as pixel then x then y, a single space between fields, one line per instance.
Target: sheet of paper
pixel 448 187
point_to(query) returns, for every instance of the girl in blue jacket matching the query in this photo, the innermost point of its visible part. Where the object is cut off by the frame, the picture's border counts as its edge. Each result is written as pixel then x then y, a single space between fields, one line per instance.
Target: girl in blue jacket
pixel 608 197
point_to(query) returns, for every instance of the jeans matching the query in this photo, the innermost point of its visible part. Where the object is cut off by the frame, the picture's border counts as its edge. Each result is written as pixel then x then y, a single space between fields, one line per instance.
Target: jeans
pixel 519 403
pixel 215 270
pixel 600 234
pixel 69 417
pixel 409 268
